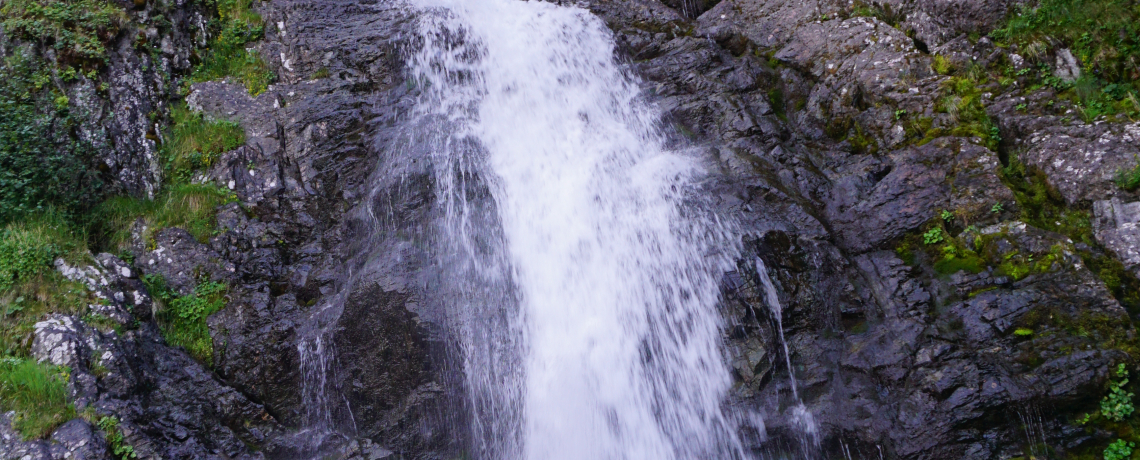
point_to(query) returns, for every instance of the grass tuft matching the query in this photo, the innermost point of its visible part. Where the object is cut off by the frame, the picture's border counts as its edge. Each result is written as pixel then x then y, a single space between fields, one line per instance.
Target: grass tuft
pixel 192 207
pixel 37 393
pixel 183 318
pixel 196 142
pixel 237 26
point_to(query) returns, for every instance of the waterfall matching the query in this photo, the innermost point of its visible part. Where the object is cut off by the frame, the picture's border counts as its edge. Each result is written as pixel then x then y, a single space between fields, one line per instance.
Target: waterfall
pixel 581 265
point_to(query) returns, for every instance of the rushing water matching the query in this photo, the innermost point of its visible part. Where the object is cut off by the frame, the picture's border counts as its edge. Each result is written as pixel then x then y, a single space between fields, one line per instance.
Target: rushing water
pixel 584 268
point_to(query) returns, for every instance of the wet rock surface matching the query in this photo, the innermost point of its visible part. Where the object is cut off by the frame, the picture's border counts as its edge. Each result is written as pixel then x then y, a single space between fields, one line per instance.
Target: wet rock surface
pixel 802 110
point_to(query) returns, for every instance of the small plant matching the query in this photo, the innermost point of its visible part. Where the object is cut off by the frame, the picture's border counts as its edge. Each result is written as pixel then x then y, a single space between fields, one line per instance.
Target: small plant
pixel 941 65
pixel 899 114
pixel 114 436
pixel 947 215
pixel 933 236
pixel 1129 179
pixel 997 208
pixel 1119 450
pixel 1023 332
pixel 1021 107
pixel 1117 405
pixel 183 320
pixel 322 72
pixel 37 393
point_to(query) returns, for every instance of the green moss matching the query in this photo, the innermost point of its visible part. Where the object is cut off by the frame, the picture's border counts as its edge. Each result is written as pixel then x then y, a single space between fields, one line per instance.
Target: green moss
pixel 78 30
pixel 195 143
pixel 183 318
pixel 237 26
pixel 941 65
pixel 37 393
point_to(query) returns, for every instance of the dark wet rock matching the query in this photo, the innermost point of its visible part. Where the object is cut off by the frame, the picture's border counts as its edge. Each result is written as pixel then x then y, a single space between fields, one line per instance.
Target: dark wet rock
pixel 74 440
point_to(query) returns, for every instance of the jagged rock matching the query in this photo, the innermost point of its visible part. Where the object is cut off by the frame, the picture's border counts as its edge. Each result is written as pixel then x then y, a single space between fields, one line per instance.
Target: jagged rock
pixel 1117 227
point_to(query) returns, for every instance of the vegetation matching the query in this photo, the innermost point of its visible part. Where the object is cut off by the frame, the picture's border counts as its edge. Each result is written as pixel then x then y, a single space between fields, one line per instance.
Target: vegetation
pixel 1119 450
pixel 238 25
pixel 114 437
pixel 1117 404
pixel 38 169
pixel 1042 207
pixel 1129 179
pixel 37 393
pixel 192 207
pixel 1104 35
pixel 78 30
pixel 183 318
pixel 196 142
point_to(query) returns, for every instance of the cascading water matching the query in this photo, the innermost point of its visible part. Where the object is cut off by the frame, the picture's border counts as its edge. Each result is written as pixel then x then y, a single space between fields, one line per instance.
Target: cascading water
pixel 583 269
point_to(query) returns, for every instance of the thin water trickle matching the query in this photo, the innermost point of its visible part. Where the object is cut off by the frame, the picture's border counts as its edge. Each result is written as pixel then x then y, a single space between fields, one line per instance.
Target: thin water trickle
pixel 583 265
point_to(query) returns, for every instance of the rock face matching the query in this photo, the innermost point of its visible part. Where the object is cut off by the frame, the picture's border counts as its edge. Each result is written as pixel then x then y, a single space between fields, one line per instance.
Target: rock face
pixel 807 111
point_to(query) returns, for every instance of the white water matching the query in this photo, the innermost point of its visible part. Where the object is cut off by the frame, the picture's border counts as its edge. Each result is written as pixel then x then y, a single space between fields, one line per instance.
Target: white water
pixel 606 345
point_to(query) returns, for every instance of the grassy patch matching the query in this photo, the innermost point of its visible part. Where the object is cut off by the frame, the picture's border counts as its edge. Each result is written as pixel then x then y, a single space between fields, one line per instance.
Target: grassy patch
pixel 1104 35
pixel 1129 179
pixel 78 30
pixel 37 393
pixel 195 143
pixel 183 318
pixel 238 25
pixel 192 207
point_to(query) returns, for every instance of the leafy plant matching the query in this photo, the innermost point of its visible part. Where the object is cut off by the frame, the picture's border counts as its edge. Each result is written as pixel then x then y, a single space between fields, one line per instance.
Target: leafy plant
pixel 114 437
pixel 37 393
pixel 1117 405
pixel 1119 450
pixel 933 236
pixel 38 169
pixel 997 208
pixel 947 215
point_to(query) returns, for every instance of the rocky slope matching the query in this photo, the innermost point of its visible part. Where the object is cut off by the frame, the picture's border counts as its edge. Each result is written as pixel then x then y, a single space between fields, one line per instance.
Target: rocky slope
pixel 975 334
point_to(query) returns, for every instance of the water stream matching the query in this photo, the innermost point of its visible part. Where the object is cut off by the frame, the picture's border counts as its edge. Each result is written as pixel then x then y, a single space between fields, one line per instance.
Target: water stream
pixel 583 264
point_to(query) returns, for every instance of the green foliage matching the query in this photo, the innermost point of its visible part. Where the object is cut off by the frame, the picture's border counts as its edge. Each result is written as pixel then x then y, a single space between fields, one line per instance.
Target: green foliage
pixel 192 207
pixel 997 208
pixel 39 169
pixel 195 143
pixel 1129 179
pixel 933 236
pixel 947 215
pixel 238 25
pixel 37 393
pixel 114 436
pixel 77 29
pixel 183 320
pixel 1023 332
pixel 1119 450
pixel 1104 36
pixel 1117 404
pixel 957 257
pixel 963 101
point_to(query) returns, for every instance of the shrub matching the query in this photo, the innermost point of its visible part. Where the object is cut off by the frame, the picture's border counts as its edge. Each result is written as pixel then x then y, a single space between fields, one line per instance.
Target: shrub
pixel 228 57
pixel 37 393
pixel 183 320
pixel 38 169
pixel 196 142
pixel 78 29
pixel 28 249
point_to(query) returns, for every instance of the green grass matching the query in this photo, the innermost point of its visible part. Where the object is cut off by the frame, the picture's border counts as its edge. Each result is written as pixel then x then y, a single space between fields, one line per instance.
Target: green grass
pixel 1104 36
pixel 237 26
pixel 78 30
pixel 195 143
pixel 37 393
pixel 192 207
pixel 183 318
pixel 1129 179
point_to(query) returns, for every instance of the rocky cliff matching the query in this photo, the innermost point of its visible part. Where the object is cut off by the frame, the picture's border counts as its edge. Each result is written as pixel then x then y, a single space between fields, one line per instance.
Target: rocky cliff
pixel 951 235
